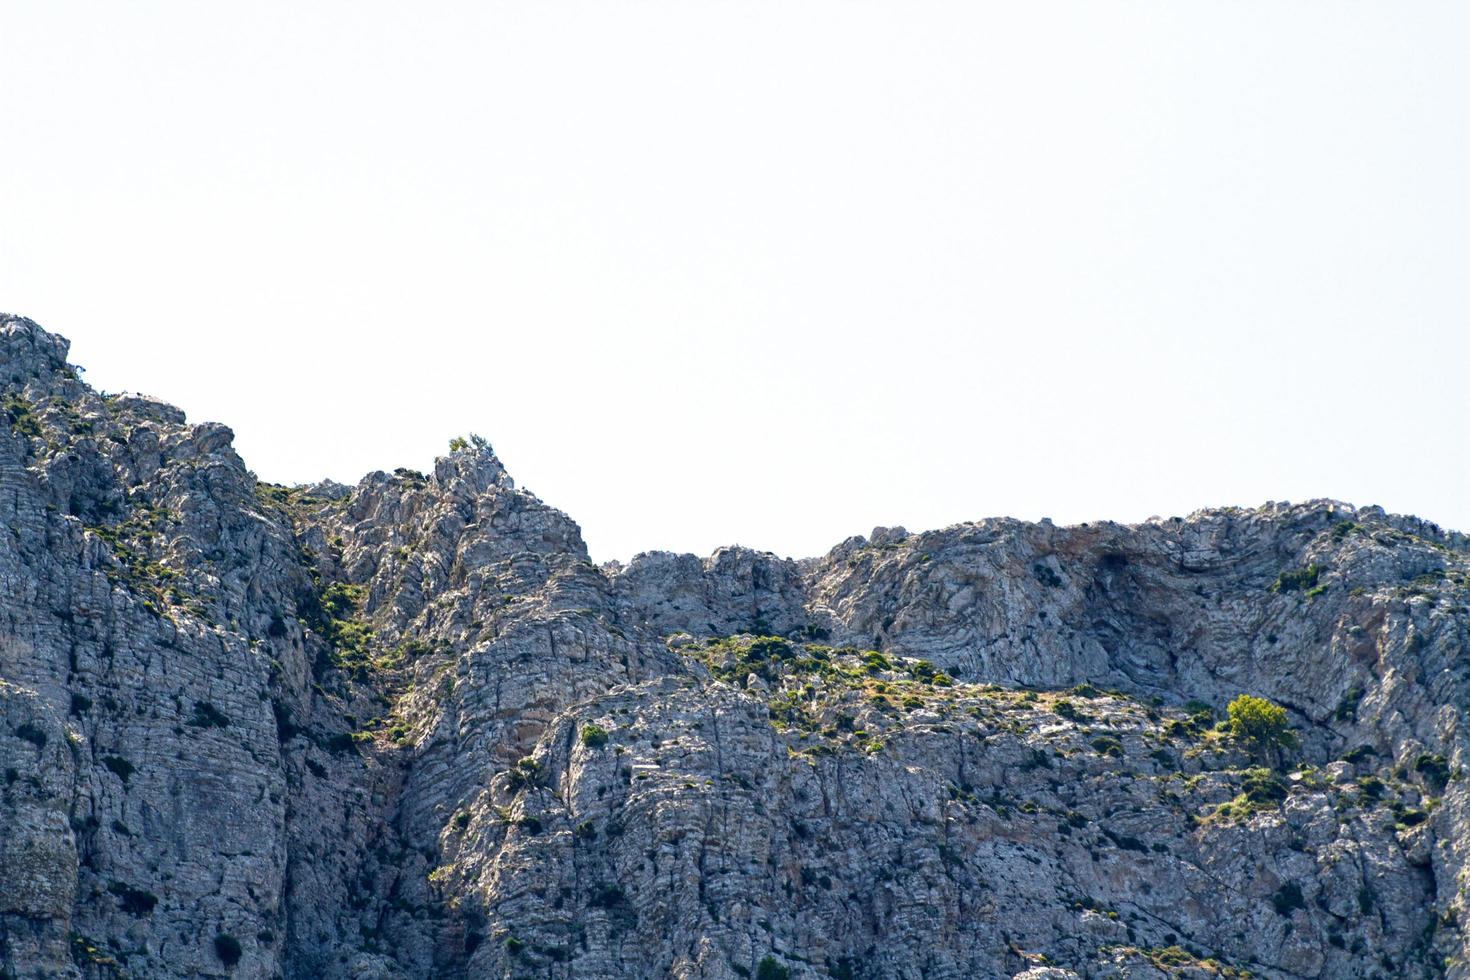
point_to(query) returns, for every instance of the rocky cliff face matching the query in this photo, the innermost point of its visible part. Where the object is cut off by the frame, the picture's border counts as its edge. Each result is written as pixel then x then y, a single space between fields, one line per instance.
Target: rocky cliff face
pixel 407 729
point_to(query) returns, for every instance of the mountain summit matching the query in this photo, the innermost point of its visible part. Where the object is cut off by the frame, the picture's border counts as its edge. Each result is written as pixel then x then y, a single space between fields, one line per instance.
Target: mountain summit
pixel 408 729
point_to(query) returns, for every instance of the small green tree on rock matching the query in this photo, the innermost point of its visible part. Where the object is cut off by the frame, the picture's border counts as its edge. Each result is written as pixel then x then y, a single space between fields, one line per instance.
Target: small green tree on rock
pixel 769 969
pixel 476 442
pixel 1262 723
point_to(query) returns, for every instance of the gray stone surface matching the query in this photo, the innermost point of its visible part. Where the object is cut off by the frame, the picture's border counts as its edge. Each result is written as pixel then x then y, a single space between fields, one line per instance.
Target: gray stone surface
pixel 407 729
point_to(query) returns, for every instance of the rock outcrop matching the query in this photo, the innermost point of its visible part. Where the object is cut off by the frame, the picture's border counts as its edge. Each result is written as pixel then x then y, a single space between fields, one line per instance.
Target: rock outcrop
pixel 408 729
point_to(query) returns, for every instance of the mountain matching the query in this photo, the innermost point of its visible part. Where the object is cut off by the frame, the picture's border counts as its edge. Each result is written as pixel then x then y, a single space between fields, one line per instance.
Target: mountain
pixel 408 729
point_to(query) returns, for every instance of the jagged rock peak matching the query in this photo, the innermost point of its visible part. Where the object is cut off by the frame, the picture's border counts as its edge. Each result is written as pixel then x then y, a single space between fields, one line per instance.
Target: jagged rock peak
pixel 406 729
pixel 28 351
pixel 473 466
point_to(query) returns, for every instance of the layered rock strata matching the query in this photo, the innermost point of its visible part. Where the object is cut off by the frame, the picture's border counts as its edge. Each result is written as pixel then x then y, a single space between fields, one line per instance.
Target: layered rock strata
pixel 408 729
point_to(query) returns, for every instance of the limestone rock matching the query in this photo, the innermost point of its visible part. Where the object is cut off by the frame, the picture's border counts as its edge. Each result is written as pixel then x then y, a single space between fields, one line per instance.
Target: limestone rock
pixel 407 729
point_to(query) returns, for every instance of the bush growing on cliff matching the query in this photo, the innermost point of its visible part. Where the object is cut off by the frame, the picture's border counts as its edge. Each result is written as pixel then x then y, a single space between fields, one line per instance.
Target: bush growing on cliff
pixel 1259 719
pixel 527 773
pixel 134 901
pixel 769 969
pixel 594 736
pixel 333 613
pixel 1200 711
pixel 1434 769
pixel 1347 705
pixel 119 766
pixel 1262 723
pixel 1262 787
pixel 21 420
pixel 1261 790
pixel 1297 579
pixel 459 443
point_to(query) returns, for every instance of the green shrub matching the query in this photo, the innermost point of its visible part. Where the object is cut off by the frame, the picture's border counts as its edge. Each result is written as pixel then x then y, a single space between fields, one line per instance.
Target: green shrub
pixel 1046 576
pixel 1434 769
pixel 21 419
pixel 1347 707
pixel 765 647
pixel 133 901
pixel 1172 956
pixel 334 614
pixel 1371 787
pixel 594 736
pixel 459 443
pixel 1263 787
pixel 1297 579
pixel 119 766
pixel 1410 817
pixel 1261 722
pixel 1201 711
pixel 341 599
pixel 527 772
pixel 923 670
pixel 769 969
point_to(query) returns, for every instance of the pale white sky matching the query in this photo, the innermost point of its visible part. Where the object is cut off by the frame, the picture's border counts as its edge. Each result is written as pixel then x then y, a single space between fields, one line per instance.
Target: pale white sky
pixel 769 273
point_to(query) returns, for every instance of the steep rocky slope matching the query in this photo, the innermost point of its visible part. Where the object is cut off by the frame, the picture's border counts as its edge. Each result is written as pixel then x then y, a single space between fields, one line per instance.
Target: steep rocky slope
pixel 407 729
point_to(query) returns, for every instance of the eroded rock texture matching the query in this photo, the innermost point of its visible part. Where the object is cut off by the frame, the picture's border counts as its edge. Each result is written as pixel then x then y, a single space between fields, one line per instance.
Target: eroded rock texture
pixel 407 729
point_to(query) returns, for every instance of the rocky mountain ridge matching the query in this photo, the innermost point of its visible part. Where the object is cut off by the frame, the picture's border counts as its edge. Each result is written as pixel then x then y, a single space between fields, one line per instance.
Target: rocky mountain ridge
pixel 408 729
